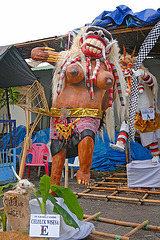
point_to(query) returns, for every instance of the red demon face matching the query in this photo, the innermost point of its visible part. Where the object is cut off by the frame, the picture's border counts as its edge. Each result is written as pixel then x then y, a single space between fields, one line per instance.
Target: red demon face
pixel 96 42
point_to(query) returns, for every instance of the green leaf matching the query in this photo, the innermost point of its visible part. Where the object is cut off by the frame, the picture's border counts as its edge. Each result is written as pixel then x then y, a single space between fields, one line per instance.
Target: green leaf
pixel 40 204
pixel 38 192
pixel 70 200
pixel 45 187
pixel 66 216
pixel 1 215
pixel 4 221
pixel 6 186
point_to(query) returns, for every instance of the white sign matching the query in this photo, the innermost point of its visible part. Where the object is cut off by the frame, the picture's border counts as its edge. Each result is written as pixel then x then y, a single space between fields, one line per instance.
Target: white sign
pixel 147 114
pixel 42 225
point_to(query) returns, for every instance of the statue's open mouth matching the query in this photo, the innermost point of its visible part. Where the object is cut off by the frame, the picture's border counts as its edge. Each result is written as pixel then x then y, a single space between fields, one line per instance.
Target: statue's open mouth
pixel 95 47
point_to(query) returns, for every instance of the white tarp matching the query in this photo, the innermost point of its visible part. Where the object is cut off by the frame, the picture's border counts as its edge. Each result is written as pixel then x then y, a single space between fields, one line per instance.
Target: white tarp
pixel 66 232
pixel 143 174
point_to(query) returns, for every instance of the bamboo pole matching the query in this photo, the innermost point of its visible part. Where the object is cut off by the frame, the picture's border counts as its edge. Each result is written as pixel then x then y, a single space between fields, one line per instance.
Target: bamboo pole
pixel 118 174
pixel 126 151
pixel 91 217
pixel 104 188
pixel 122 223
pixel 109 183
pixel 115 178
pixel 135 199
pixel 91 195
pixel 85 191
pixel 90 188
pixel 27 140
pixel 66 173
pixel 26 144
pixel 129 151
pixel 144 197
pixel 109 235
pixel 136 229
pixel 112 194
pixel 117 165
pixel 126 189
pixel 138 191
pixel 150 201
pixel 94 238
pixel 38 117
pixel 118 198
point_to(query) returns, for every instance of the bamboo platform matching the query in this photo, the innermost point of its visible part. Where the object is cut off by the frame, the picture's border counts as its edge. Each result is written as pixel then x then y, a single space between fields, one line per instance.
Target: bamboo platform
pixel 136 227
pixel 115 185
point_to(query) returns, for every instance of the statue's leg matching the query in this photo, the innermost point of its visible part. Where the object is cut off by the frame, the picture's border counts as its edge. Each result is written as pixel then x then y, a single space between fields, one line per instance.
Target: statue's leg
pixel 85 153
pixel 57 166
pixel 122 137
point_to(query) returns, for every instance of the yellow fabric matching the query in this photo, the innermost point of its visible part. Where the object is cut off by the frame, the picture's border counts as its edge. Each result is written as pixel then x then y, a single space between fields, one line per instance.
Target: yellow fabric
pixel 147 125
pixel 77 112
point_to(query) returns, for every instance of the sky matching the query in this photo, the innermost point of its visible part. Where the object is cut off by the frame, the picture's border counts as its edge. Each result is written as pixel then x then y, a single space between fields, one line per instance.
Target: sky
pixel 29 20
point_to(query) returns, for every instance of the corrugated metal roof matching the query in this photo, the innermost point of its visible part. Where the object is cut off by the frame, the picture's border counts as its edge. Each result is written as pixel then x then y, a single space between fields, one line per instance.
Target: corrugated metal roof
pixel 40 68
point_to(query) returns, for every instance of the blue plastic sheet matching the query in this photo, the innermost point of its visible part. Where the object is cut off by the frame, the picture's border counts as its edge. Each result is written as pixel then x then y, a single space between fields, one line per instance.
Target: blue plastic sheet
pixel 104 157
pixel 124 16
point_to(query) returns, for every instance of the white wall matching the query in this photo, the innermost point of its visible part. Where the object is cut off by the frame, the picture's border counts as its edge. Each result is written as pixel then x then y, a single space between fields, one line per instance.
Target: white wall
pixel 17 113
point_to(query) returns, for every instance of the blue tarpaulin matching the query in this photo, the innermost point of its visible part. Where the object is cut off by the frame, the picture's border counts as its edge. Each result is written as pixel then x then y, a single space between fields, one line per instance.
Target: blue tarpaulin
pixel 124 16
pixel 104 157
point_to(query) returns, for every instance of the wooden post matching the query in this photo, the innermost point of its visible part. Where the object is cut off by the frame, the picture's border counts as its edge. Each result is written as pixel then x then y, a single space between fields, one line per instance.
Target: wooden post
pixel 72 172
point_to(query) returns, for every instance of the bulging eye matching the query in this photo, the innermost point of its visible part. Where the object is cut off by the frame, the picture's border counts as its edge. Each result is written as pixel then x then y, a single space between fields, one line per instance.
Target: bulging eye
pixel 96 33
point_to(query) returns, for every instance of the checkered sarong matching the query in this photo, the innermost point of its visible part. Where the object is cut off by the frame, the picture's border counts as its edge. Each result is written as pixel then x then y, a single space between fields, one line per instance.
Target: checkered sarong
pixel 146 47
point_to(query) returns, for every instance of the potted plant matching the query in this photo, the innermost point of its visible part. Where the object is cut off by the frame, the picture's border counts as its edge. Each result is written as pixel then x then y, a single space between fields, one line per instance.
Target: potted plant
pixel 42 195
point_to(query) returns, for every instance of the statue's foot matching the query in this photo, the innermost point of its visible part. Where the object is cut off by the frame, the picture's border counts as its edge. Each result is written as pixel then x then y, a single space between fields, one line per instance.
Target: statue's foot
pixel 52 193
pixel 83 178
pixel 155 159
pixel 117 146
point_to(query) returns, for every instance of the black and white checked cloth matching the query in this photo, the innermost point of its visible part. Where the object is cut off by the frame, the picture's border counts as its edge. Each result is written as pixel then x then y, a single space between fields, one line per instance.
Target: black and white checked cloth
pixel 146 47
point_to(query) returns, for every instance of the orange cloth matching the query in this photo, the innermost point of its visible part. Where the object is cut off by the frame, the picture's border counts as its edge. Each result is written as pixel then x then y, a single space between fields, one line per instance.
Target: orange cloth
pixel 147 125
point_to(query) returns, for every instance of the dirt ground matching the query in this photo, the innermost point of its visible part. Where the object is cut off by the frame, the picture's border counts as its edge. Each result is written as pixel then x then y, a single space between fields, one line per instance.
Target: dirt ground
pixel 115 209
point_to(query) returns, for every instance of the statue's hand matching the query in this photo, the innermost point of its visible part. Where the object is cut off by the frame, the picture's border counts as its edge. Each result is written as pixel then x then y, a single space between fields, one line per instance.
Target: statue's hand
pixel 45 54
pixel 138 73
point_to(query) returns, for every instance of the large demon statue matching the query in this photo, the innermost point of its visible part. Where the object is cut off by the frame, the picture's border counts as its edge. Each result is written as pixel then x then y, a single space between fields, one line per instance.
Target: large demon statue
pixel 86 81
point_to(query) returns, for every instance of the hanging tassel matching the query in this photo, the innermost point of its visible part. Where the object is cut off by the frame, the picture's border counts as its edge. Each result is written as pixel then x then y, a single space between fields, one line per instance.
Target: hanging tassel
pixel 110 96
